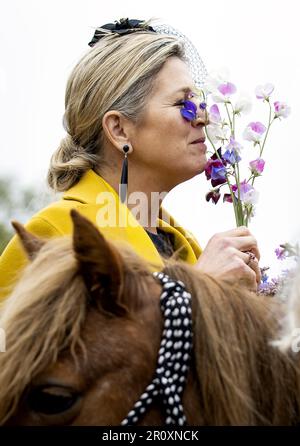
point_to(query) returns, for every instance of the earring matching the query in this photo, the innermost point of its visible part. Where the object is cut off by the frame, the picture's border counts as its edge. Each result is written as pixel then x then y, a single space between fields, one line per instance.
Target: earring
pixel 124 175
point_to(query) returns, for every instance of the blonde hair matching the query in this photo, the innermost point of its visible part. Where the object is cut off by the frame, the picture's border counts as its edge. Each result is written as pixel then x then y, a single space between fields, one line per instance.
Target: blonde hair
pixel 118 73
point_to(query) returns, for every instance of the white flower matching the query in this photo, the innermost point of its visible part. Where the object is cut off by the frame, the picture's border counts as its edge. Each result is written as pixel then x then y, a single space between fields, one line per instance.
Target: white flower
pixel 242 105
pixel 216 133
pixel 264 91
pixel 248 194
pixel 282 110
pixel 214 79
pixel 251 197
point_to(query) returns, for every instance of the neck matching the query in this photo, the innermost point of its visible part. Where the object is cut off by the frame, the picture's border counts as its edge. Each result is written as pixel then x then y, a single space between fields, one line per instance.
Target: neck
pixel 144 193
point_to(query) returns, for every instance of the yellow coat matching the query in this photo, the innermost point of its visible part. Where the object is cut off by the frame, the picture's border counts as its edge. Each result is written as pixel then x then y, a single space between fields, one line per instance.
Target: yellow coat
pixel 55 220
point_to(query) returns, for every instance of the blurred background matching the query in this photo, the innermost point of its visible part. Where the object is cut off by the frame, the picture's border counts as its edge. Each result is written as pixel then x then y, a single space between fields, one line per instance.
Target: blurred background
pixel 40 42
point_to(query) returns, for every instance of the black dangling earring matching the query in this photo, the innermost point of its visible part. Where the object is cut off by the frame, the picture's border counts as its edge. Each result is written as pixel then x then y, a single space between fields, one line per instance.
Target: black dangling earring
pixel 124 175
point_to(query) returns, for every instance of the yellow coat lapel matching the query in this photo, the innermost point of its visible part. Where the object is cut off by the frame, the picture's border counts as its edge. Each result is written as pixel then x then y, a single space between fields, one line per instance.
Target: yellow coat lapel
pixel 91 190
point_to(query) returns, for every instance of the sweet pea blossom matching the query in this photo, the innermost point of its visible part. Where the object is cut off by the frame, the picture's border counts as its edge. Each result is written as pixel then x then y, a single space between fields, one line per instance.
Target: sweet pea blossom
pixel 189 110
pixel 214 79
pixel 257 166
pixel 248 194
pixel 224 166
pixel 215 170
pixel 282 110
pixel 280 253
pixel 264 91
pixel 224 92
pixel 218 172
pixel 214 114
pixel 216 133
pixel 242 105
pixel 232 153
pixel 254 131
pixel 213 195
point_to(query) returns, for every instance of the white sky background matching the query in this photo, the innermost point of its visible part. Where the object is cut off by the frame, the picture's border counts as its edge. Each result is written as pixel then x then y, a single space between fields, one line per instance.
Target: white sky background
pixel 40 42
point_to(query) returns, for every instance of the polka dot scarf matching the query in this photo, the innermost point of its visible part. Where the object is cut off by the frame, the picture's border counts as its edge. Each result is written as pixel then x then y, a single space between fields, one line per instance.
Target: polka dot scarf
pixel 173 356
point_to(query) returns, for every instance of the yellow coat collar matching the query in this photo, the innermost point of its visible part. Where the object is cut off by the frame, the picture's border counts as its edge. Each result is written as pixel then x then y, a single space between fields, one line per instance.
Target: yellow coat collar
pixel 87 191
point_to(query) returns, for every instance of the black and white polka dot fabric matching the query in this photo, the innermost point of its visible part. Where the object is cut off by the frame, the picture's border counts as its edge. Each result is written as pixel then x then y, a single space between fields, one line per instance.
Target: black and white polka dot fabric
pixel 173 356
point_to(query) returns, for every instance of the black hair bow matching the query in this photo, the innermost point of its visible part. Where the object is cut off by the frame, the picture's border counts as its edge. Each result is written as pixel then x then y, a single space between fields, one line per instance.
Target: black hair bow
pixel 121 27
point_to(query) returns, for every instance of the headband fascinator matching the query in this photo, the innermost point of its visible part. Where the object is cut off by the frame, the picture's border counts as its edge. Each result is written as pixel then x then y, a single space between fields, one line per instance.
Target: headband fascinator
pixel 129 26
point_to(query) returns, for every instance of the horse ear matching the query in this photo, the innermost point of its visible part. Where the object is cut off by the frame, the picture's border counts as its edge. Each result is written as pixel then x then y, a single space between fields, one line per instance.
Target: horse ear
pixel 100 265
pixel 30 242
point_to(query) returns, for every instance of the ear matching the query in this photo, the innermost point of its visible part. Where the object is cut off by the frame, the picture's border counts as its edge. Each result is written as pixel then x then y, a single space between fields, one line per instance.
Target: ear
pixel 30 242
pixel 100 265
pixel 117 129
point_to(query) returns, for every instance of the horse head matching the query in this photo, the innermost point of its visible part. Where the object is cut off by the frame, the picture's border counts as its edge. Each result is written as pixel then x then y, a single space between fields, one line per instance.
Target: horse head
pixel 83 331
pixel 82 341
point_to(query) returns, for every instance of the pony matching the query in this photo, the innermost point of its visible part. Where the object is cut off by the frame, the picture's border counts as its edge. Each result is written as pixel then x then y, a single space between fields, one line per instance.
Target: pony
pixel 83 329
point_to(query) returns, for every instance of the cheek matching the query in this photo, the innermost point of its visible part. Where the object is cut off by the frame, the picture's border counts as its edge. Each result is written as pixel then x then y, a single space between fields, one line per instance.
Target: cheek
pixel 162 132
pixel 176 124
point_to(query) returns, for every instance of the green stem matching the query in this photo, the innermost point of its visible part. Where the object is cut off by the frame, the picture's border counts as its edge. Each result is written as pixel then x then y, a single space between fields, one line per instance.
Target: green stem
pixel 229 118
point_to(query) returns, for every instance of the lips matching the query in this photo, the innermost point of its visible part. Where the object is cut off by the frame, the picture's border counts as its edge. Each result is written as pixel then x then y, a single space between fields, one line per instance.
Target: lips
pixel 197 141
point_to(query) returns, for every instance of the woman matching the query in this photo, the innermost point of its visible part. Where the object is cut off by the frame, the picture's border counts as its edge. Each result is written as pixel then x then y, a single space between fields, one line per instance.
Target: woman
pixel 123 104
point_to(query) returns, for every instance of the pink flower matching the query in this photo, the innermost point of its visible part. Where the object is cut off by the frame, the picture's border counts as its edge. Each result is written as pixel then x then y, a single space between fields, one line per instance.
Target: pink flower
pixel 264 91
pixel 224 91
pixel 214 114
pixel 257 166
pixel 254 131
pixel 281 109
pixel 227 89
pixel 248 194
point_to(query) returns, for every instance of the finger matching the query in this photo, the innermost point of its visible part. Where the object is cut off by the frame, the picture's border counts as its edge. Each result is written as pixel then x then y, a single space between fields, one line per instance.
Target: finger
pixel 246 243
pixel 254 265
pixel 236 232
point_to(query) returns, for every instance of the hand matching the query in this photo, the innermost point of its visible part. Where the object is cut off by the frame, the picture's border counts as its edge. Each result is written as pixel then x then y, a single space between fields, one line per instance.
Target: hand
pixel 225 257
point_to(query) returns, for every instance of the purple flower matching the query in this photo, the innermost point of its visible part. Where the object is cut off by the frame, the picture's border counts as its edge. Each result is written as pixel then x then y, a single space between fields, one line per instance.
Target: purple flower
pixel 227 197
pixel 233 150
pixel 257 166
pixel 215 170
pixel 280 253
pixel 218 172
pixel 203 105
pixel 264 277
pixel 213 195
pixel 231 156
pixel 189 110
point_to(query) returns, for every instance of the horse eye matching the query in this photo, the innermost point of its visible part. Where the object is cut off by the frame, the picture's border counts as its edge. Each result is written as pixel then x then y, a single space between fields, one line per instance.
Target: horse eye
pixel 51 400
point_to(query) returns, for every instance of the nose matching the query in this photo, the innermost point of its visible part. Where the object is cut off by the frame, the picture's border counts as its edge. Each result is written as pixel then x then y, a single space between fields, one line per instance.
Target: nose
pixel 201 119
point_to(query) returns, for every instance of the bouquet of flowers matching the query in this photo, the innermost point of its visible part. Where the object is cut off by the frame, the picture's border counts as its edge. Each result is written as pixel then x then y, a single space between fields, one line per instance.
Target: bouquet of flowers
pixel 223 168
